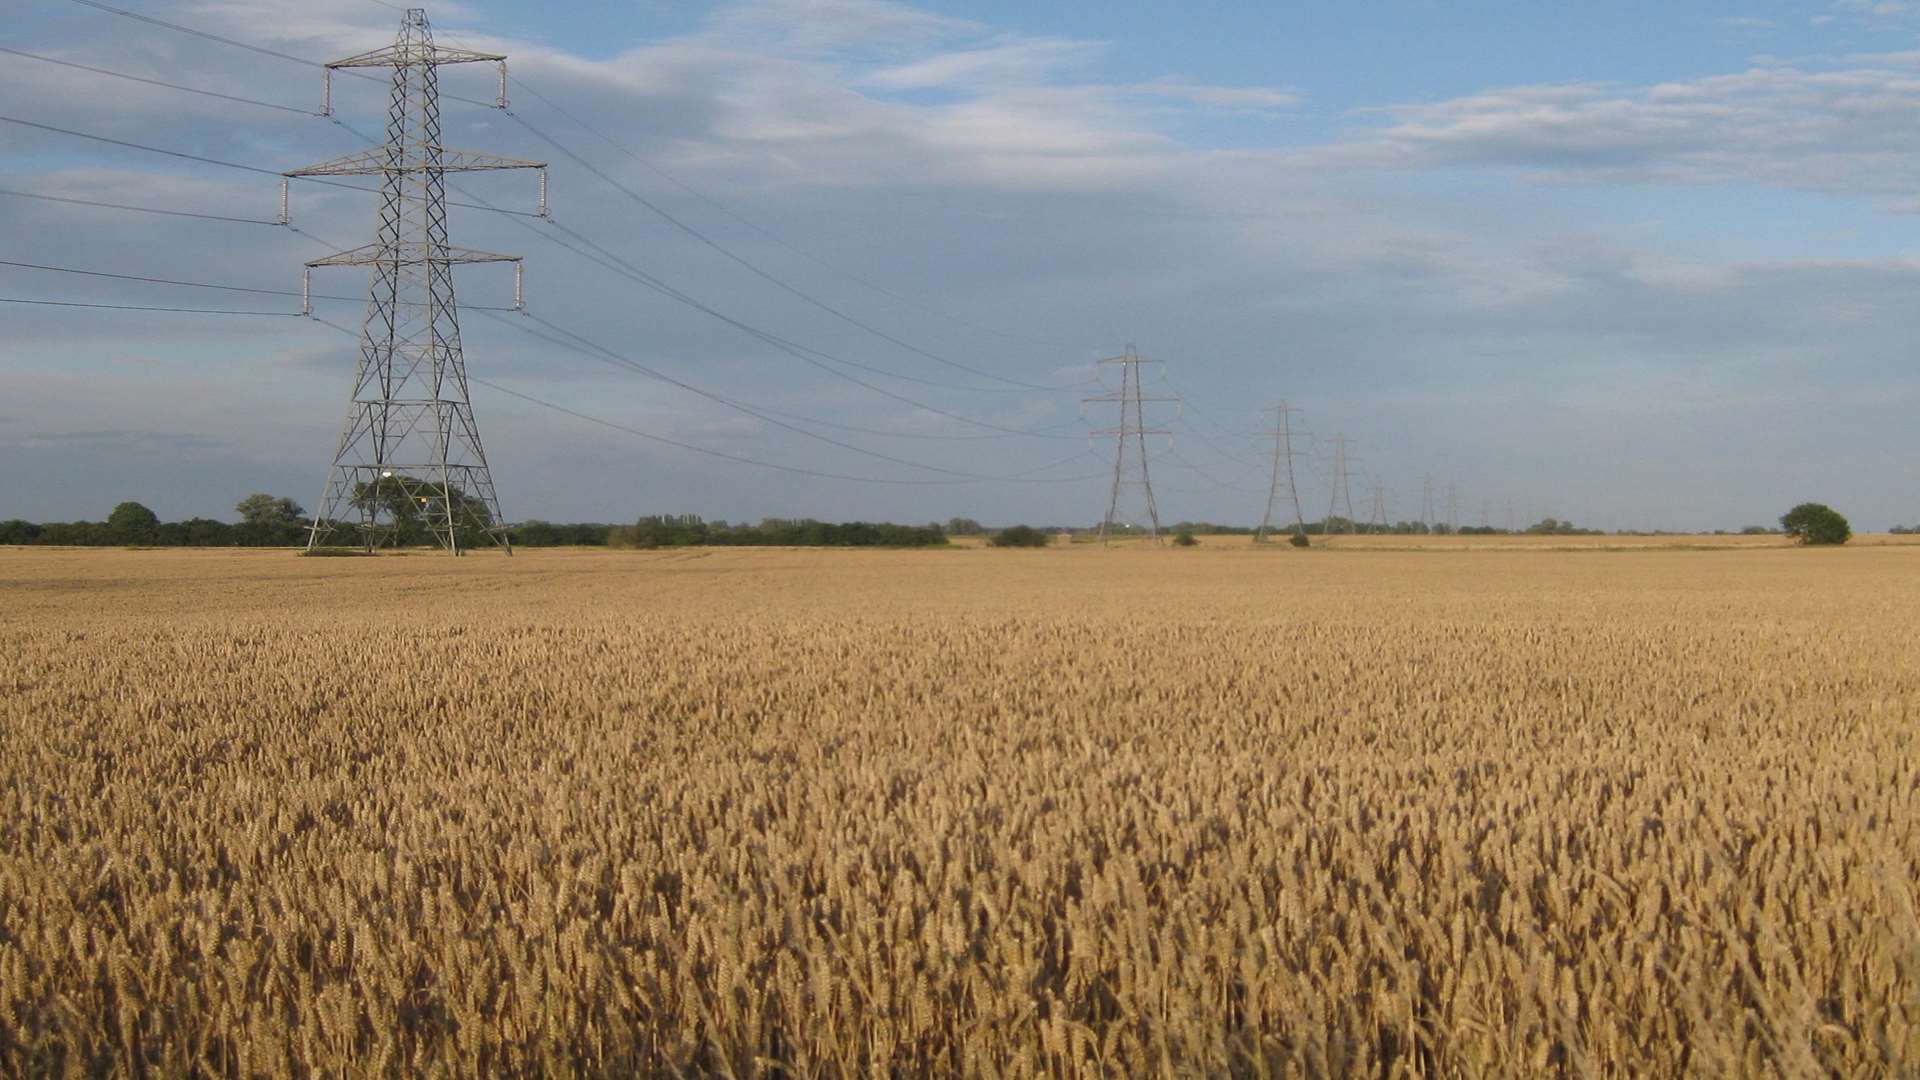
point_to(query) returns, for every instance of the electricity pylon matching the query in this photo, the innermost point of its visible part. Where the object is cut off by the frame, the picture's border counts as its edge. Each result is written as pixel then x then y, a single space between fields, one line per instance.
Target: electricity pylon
pixel 1378 518
pixel 1426 503
pixel 1130 438
pixel 409 452
pixel 1283 454
pixel 1342 489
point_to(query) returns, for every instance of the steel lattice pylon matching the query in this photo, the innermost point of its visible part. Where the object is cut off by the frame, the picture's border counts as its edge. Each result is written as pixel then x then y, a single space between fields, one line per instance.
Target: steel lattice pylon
pixel 1130 438
pixel 409 457
pixel 1342 489
pixel 1283 473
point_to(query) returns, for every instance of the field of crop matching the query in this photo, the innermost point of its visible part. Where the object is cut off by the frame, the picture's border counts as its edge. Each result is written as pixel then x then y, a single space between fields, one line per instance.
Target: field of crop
pixel 1058 812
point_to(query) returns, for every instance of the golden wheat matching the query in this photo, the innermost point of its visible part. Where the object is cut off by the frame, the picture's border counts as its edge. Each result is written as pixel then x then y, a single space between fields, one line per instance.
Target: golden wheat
pixel 851 813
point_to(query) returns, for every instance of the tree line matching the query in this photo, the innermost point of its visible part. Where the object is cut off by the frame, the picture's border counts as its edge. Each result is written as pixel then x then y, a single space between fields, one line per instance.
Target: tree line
pixel 275 521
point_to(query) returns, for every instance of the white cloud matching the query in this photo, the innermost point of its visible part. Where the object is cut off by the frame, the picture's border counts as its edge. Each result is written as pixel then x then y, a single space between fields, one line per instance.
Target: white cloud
pixel 1224 97
pixel 1013 61
pixel 1849 129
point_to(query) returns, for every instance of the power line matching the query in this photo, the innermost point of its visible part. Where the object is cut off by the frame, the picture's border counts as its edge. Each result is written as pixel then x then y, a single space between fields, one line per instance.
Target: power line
pixel 748 222
pixel 206 285
pixel 635 273
pixel 474 307
pixel 142 146
pixel 156 82
pixel 589 348
pixel 600 351
pixel 751 224
pixel 768 234
pixel 136 209
pixel 642 200
pixel 1186 405
pixel 740 458
pixel 228 164
pixel 755 410
pixel 653 283
pixel 225 164
pixel 812 357
pixel 261 49
pixel 1215 484
pixel 601 256
pixel 144 307
pixel 771 278
pixel 788 346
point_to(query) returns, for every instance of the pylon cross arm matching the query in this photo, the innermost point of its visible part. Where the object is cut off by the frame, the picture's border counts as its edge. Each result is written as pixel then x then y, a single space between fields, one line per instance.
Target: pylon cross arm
pixel 411 54
pixel 381 161
pixel 409 254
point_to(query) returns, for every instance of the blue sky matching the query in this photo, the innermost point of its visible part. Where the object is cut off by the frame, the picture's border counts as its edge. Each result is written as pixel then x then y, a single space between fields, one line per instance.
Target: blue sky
pixel 1634 264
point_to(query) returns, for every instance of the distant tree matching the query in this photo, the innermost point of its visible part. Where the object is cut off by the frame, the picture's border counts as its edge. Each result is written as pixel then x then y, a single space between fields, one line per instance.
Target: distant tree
pixel 1814 523
pixel 206 532
pixel 961 526
pixel 1299 539
pixel 131 523
pixel 536 533
pixel 1020 536
pixel 261 509
pixel 406 503
pixel 1183 537
pixel 18 532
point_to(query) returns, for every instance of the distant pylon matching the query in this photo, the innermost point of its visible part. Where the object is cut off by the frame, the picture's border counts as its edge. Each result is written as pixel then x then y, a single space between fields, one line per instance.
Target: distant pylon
pixel 1453 509
pixel 1342 489
pixel 1426 503
pixel 409 453
pixel 1378 518
pixel 1283 454
pixel 1130 443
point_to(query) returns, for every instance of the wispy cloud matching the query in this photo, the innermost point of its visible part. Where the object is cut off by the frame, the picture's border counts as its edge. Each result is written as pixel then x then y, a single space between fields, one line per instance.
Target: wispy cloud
pixel 1842 128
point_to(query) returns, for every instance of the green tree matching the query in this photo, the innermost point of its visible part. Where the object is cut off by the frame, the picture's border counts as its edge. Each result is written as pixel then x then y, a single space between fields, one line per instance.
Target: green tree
pixel 268 511
pixel 1183 537
pixel 1020 536
pixel 1814 523
pixel 132 523
pixel 406 502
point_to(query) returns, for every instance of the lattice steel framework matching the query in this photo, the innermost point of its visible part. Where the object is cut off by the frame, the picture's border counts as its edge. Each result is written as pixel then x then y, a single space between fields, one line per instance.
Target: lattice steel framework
pixel 1130 472
pixel 409 456
pixel 1342 487
pixel 1283 474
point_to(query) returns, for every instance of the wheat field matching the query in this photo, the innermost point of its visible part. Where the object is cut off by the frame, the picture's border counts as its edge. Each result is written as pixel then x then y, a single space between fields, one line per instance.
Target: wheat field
pixel 1019 813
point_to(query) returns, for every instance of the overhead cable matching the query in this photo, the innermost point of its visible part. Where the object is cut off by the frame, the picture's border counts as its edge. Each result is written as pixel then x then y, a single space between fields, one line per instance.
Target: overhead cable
pixel 775 280
pixel 156 82
pixel 144 307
